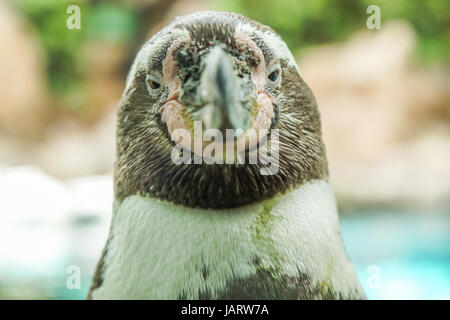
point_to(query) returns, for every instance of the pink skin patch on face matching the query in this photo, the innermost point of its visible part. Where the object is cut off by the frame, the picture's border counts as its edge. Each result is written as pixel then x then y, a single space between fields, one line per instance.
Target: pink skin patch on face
pixel 259 73
pixel 265 113
pixel 172 115
pixel 172 111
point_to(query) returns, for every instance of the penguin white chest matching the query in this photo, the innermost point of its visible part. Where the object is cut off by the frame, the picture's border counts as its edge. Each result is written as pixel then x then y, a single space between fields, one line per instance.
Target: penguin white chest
pixel 158 250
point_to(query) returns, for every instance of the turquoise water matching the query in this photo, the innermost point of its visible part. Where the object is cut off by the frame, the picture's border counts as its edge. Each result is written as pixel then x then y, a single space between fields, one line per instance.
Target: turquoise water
pixel 400 255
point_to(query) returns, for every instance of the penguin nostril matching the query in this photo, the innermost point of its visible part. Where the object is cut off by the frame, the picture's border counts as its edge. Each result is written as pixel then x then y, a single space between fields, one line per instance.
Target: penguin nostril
pixel 226 124
pixel 221 83
pixel 173 96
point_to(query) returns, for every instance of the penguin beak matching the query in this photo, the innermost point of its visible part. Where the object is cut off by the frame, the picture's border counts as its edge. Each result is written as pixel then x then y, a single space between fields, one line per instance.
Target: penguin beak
pixel 220 90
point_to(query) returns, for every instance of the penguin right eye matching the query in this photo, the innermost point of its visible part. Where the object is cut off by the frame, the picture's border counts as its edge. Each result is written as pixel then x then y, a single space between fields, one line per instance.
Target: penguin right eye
pixel 153 83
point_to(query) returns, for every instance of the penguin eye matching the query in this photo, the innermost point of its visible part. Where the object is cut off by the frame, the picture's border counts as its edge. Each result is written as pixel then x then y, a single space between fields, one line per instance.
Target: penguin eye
pixel 153 83
pixel 275 74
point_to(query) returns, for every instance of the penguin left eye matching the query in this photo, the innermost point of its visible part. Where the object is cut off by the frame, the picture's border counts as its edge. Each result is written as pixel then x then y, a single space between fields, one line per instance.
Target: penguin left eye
pixel 275 74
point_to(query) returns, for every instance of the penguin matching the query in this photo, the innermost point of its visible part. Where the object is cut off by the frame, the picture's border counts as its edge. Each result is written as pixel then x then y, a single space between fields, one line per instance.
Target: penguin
pixel 221 230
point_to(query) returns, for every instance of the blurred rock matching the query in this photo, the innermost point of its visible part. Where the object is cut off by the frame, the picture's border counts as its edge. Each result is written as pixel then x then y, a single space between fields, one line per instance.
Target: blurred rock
pixel 103 77
pixel 69 149
pixel 386 122
pixel 23 89
pixel 73 150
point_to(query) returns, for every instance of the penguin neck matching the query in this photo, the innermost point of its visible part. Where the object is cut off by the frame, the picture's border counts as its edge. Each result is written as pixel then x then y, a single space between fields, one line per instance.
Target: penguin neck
pixel 159 250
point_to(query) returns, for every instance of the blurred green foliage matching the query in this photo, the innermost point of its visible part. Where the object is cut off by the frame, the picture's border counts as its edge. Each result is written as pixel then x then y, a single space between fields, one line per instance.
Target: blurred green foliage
pixel 304 22
pixel 60 44
pixel 100 21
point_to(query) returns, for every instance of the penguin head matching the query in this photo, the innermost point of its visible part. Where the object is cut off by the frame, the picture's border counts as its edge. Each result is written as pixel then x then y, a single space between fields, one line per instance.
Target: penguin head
pixel 216 85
